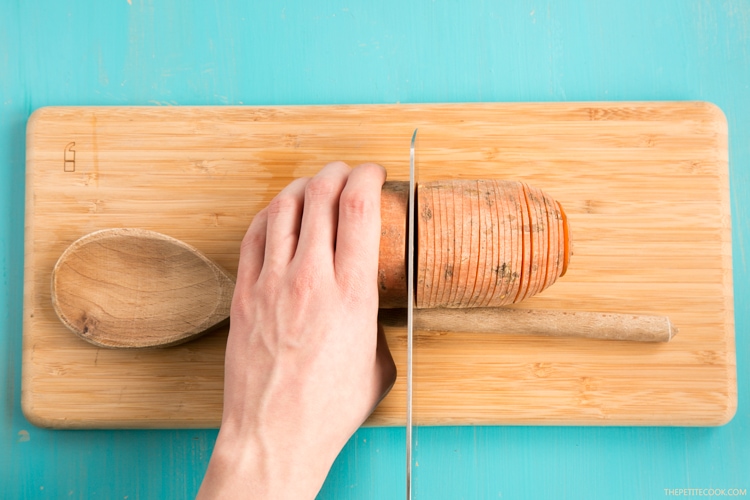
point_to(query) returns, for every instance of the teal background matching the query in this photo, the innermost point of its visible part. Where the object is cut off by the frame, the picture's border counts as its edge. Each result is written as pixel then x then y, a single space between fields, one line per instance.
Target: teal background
pixel 149 52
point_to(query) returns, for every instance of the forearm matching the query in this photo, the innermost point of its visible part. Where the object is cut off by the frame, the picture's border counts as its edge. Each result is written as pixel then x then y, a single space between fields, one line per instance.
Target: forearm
pixel 243 467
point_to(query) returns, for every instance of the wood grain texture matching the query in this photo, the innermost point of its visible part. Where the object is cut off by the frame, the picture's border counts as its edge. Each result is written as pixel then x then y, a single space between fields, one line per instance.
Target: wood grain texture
pixel 643 184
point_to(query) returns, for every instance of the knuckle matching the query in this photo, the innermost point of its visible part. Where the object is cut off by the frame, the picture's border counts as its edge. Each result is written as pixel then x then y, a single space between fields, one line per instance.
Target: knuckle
pixel 305 283
pixel 356 205
pixel 248 302
pixel 251 242
pixel 282 204
pixel 355 289
pixel 266 289
pixel 269 284
pixel 321 188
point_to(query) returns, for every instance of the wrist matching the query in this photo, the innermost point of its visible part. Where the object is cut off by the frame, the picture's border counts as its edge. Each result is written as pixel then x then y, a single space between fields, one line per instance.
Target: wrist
pixel 247 467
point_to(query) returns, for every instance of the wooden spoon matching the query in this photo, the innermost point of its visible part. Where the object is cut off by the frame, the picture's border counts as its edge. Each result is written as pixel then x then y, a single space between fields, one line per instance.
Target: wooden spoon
pixel 138 288
pixel 133 288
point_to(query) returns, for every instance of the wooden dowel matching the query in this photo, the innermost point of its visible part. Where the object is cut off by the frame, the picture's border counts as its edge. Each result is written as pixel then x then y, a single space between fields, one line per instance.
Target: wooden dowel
pixel 548 323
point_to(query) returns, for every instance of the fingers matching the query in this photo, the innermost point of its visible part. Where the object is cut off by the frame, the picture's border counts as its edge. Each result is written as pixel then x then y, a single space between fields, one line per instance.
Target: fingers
pixel 252 250
pixel 317 236
pixel 358 238
pixel 337 209
pixel 271 239
pixel 284 215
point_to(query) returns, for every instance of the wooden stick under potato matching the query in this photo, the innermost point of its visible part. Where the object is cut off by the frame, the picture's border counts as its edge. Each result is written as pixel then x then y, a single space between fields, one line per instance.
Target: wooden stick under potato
pixel 548 323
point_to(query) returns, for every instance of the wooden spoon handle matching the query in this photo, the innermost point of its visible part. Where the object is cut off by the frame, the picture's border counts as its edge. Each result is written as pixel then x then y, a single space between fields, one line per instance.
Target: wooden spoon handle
pixel 550 323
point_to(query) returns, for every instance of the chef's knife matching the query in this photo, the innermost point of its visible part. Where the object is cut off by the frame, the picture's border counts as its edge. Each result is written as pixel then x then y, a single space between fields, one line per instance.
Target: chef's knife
pixel 410 310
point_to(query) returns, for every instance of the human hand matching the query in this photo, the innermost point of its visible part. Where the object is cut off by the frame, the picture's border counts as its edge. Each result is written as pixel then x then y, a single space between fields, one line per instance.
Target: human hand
pixel 306 361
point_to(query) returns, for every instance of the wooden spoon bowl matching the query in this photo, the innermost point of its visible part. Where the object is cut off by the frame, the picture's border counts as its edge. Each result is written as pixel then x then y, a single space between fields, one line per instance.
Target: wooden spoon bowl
pixel 137 288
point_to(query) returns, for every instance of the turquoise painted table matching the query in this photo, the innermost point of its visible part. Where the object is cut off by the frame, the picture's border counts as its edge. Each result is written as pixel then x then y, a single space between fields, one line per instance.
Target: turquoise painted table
pixel 146 52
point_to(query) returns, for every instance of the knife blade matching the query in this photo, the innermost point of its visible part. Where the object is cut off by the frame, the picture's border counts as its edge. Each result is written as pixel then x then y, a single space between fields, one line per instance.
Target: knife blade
pixel 410 309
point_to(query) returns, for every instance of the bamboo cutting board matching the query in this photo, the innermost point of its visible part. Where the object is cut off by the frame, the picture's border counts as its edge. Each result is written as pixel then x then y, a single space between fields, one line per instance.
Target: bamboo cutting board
pixel 645 186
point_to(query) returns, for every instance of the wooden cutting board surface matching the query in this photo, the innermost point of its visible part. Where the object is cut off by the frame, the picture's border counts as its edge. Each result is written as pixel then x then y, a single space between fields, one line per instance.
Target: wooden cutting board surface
pixel 645 186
